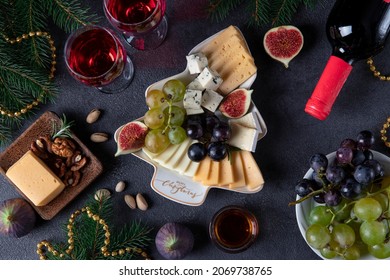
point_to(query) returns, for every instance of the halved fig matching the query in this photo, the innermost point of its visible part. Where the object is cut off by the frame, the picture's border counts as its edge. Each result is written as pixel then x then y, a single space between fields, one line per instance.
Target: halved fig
pixel 236 104
pixel 131 137
pixel 283 43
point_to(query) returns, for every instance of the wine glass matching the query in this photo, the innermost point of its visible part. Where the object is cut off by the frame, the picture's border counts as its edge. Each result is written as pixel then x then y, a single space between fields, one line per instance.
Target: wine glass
pixel 96 57
pixel 142 22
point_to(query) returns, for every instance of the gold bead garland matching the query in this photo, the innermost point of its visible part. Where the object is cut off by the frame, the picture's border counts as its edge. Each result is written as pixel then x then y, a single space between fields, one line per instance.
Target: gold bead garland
pixel 384 138
pixel 374 70
pixel 40 98
pixel 103 249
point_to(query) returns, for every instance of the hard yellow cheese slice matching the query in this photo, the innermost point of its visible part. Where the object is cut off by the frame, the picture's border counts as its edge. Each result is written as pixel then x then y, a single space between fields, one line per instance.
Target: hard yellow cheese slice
pixel 238 171
pixel 202 173
pixel 226 175
pixel 213 176
pixel 35 180
pixel 252 173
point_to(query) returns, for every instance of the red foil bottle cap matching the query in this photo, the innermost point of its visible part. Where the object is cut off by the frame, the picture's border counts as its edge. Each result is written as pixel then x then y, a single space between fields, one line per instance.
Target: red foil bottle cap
pixel 328 87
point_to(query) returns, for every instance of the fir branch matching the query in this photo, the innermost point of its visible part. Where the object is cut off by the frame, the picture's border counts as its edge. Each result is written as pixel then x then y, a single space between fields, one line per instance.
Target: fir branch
pixel 69 15
pixel 260 11
pixel 284 11
pixel 219 9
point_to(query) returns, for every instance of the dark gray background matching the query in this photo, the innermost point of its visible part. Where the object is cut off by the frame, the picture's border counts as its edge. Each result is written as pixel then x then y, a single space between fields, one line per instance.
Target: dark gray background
pixel 279 93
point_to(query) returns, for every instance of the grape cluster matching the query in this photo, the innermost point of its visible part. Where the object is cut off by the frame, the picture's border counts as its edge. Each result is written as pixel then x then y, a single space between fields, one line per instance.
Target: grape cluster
pixel 352 214
pixel 163 118
pixel 212 134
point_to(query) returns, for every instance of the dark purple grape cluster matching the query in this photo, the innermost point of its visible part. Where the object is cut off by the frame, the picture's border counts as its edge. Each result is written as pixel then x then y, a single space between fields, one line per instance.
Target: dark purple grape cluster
pixel 348 176
pixel 212 134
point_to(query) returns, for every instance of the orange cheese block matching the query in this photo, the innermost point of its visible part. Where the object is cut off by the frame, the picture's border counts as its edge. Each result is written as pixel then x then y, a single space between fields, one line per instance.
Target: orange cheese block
pixel 253 176
pixel 202 173
pixel 238 171
pixel 226 175
pixel 222 37
pixel 34 179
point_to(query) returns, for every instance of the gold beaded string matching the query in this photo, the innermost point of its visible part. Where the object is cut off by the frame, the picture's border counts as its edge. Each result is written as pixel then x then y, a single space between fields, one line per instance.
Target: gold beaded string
pixel 40 98
pixel 103 249
pixel 384 138
pixel 374 70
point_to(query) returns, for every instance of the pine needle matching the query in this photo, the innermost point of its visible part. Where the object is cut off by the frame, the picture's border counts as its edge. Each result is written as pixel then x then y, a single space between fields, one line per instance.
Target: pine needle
pixel 63 130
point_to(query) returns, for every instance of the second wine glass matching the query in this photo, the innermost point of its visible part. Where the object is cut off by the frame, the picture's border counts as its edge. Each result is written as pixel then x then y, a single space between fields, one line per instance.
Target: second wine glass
pixel 142 22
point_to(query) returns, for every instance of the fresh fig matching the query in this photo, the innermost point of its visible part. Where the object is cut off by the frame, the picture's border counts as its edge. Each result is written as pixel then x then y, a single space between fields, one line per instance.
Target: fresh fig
pixel 283 43
pixel 17 217
pixel 236 104
pixel 131 137
pixel 174 241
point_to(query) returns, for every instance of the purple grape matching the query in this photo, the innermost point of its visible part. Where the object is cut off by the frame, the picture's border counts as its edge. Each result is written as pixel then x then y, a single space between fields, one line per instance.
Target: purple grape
pixel 335 174
pixel 211 121
pixel 197 152
pixel 358 158
pixel 319 198
pixel 378 168
pixel 194 130
pixel 348 143
pixel 344 155
pixel 217 151
pixel 365 139
pixel 351 189
pixel 368 154
pixel 318 162
pixel 221 132
pixel 304 187
pixel 364 174
pixel 332 198
pixel 320 179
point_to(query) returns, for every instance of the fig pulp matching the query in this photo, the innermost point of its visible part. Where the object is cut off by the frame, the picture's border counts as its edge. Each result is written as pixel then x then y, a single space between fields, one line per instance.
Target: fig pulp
pixel 236 104
pixel 131 137
pixel 283 43
pixel 17 217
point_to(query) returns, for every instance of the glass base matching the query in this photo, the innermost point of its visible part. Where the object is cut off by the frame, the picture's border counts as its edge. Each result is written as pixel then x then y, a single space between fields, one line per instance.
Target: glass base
pixel 151 40
pixel 121 82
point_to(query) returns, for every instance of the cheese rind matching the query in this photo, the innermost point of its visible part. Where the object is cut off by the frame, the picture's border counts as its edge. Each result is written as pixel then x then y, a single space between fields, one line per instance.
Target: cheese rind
pixel 35 179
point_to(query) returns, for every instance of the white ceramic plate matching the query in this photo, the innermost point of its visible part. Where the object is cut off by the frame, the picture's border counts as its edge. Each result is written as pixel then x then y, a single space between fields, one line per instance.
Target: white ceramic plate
pixel 171 184
pixel 302 209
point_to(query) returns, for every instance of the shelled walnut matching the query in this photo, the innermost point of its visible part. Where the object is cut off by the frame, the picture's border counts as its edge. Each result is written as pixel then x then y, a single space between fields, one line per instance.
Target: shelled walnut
pixel 62 156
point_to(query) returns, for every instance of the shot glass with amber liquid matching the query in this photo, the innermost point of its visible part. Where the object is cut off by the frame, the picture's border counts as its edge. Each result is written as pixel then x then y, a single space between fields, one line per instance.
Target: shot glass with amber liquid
pixel 233 229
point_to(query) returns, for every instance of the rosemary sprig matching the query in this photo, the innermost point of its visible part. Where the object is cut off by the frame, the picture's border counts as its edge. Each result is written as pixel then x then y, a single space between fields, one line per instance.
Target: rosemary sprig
pixel 62 130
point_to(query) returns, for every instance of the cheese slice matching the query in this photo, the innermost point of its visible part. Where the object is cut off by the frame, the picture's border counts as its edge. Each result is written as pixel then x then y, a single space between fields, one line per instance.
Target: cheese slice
pixel 238 171
pixel 185 161
pixel 213 176
pixel 180 152
pixel 192 169
pixel 203 170
pixel 249 120
pixel 149 153
pixel 166 155
pixel 223 36
pixel 243 137
pixel 35 179
pixel 253 176
pixel 226 175
pixel 183 151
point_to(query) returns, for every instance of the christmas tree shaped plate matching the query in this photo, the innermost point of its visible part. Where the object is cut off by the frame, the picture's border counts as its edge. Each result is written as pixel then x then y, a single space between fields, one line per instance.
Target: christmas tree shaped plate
pixel 44 126
pixel 169 182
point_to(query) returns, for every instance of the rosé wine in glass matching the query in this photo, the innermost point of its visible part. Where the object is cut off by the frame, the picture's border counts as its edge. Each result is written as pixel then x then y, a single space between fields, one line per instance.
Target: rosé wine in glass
pixel 142 22
pixel 96 57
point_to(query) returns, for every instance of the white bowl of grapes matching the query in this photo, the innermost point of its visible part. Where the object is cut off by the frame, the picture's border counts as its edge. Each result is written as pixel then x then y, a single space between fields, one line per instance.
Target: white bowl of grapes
pixel 342 203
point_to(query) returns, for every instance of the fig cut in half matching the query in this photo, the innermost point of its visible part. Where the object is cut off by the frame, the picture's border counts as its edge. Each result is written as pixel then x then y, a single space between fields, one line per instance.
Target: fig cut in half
pixel 236 103
pixel 283 43
pixel 131 137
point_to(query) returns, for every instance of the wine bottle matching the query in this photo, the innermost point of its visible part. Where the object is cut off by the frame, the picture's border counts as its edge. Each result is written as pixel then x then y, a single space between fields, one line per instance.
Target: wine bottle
pixel 357 30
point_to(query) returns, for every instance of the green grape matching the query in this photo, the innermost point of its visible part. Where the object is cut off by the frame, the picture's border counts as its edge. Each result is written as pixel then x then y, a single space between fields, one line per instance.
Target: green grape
pixel 154 118
pixel 380 251
pixel 367 209
pixel 334 246
pixel 373 232
pixel 317 236
pixel 175 90
pixel 156 141
pixel 344 235
pixel 352 253
pixel 320 215
pixel 155 99
pixel 382 199
pixel 177 134
pixel 328 253
pixel 342 210
pixel 178 115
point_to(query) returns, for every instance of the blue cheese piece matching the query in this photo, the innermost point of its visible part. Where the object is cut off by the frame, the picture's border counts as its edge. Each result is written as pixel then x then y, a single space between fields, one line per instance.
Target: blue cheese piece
pixel 192 99
pixel 209 79
pixel 243 137
pixel 211 100
pixel 194 111
pixel 195 85
pixel 196 63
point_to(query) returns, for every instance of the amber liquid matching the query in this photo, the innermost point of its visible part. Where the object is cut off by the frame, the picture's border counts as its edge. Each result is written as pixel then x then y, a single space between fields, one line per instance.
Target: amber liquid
pixel 233 229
